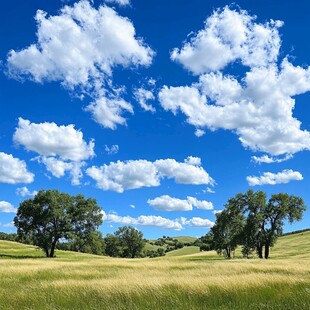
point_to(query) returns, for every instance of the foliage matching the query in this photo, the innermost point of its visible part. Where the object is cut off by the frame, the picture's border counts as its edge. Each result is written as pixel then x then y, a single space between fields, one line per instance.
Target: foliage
pixel 253 222
pixel 52 215
pixel 126 242
pixel 8 237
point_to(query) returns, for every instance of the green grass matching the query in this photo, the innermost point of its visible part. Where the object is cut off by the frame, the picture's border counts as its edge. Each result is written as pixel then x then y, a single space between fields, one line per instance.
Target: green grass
pixel 185 239
pixel 190 281
pixel 184 251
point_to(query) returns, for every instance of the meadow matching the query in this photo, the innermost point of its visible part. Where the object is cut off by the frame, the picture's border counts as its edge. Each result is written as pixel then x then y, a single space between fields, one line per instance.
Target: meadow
pixel 184 279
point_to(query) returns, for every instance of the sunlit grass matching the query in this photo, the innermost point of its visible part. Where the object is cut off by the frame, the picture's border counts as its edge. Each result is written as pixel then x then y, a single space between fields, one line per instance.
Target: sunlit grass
pixel 194 281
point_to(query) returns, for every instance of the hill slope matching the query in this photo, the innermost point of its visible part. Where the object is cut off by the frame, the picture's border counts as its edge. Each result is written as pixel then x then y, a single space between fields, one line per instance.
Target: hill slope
pixel 195 281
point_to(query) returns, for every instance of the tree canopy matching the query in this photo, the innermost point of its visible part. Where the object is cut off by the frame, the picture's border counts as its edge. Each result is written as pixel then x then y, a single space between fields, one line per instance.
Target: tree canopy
pixel 253 222
pixel 125 242
pixel 52 216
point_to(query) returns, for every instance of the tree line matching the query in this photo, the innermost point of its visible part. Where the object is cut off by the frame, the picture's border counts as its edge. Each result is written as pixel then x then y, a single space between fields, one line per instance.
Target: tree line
pixel 54 220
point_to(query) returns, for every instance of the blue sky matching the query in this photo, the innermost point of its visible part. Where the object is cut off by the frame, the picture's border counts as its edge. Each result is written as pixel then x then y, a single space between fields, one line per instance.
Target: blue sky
pixel 161 110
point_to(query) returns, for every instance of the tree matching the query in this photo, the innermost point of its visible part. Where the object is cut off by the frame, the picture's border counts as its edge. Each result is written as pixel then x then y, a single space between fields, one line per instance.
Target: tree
pixel 131 241
pixel 112 246
pixel 249 220
pixel 89 242
pixel 280 207
pixel 52 215
pixel 227 229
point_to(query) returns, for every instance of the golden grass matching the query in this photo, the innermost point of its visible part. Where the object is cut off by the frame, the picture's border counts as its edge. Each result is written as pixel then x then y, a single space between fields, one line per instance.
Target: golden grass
pixel 195 281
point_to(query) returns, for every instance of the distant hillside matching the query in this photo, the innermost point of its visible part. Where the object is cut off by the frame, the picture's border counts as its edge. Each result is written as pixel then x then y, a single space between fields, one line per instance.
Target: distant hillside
pixel 292 245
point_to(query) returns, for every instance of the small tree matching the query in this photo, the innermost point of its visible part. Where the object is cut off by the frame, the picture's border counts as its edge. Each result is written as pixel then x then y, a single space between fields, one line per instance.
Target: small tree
pixel 52 215
pixel 131 241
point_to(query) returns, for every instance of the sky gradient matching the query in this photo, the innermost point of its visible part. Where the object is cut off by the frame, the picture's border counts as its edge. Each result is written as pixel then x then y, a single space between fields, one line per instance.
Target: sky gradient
pixel 161 112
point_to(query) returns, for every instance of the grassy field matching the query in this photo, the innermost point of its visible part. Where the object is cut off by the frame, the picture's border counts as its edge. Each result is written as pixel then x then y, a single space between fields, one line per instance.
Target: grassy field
pixel 187 281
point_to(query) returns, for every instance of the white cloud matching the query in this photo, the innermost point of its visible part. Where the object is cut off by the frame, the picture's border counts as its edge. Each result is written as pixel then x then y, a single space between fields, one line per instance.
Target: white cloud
pixel 14 170
pixel 6 207
pixel 230 35
pixel 119 176
pixel 24 191
pixel 167 203
pixel 275 178
pixel 58 168
pixel 183 173
pixel 144 220
pixel 268 159
pixel 142 96
pixel 194 161
pixel 49 139
pixel 198 222
pixel 119 2
pixel 259 107
pixel 157 221
pixel 107 111
pixel 61 148
pixel 208 190
pixel 200 204
pixel 80 47
pixel 199 132
pixel 112 150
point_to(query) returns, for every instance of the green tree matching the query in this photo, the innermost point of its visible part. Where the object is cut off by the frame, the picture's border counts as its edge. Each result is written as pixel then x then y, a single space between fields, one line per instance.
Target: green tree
pixel 280 207
pixel 112 245
pixel 130 240
pixel 228 229
pixel 253 222
pixel 89 242
pixel 52 215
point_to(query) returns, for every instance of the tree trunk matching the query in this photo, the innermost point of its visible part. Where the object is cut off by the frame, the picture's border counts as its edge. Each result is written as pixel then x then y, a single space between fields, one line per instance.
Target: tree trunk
pixel 46 252
pixel 52 252
pixel 228 251
pixel 267 247
pixel 260 251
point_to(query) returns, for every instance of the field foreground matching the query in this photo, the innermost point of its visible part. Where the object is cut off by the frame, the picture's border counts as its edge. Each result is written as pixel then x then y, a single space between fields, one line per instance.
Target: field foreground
pixel 194 281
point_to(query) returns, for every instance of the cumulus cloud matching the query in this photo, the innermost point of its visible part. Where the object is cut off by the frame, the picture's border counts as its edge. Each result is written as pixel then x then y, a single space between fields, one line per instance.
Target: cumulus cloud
pixel 230 35
pixel 24 191
pixel 167 203
pixel 183 173
pixel 144 220
pixel 49 139
pixel 14 170
pixel 257 107
pixel 79 48
pixel 275 178
pixel 119 176
pixel 197 222
pixel 61 148
pixel 142 96
pixel 6 207
pixel 111 150
pixel 157 221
